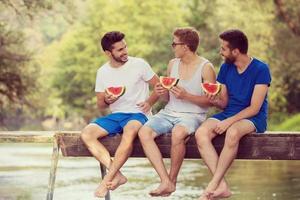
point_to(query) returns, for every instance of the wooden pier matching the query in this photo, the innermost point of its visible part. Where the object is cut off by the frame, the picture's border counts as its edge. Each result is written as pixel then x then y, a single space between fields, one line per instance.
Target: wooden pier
pixel 267 146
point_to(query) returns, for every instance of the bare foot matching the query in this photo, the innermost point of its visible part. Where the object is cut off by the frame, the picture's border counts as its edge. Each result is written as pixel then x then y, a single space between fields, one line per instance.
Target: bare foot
pixel 101 190
pixel 164 189
pixel 118 180
pixel 206 196
pixel 222 191
pixel 208 193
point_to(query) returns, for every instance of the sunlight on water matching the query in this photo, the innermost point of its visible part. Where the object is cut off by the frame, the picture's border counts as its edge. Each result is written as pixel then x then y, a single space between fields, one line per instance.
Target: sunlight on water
pixel 24 173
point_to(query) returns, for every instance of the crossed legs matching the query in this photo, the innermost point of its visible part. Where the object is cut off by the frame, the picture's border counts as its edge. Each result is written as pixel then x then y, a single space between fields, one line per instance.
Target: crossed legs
pixel 114 178
pixel 218 166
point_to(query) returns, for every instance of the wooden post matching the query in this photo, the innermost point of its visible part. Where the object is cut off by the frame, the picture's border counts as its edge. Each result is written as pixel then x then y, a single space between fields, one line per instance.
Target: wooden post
pixel 54 161
pixel 103 173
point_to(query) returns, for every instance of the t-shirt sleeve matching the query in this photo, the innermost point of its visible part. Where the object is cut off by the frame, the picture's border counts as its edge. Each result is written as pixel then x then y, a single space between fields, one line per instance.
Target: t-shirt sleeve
pixel 99 87
pixel 222 75
pixel 148 72
pixel 264 76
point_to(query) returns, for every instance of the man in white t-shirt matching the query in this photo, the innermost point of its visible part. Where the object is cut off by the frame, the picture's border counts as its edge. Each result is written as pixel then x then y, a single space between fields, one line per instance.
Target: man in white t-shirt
pixel 129 112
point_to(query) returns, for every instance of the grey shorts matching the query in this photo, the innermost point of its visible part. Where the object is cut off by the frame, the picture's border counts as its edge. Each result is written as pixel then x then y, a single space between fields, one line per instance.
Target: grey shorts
pixel 165 120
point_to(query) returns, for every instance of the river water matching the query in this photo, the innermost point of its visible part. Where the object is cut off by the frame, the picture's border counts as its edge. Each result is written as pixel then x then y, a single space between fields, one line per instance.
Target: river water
pixel 24 173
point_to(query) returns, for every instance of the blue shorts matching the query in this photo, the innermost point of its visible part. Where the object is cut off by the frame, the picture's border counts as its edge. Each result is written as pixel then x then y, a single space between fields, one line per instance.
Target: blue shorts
pixel 115 122
pixel 164 121
pixel 260 124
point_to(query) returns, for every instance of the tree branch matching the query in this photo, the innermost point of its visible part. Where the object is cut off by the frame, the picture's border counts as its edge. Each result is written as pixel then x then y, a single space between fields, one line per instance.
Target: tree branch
pixel 283 13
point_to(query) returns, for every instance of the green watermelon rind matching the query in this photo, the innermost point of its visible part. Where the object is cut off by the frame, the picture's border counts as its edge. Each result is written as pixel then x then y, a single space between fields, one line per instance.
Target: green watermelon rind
pixel 119 95
pixel 212 93
pixel 168 86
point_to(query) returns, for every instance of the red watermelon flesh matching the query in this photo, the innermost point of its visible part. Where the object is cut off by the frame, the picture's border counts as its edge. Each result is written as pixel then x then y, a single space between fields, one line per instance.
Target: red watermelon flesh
pixel 168 82
pixel 211 88
pixel 116 91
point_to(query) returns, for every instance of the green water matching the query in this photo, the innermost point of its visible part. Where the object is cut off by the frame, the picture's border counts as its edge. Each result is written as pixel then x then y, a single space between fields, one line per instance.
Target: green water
pixel 24 173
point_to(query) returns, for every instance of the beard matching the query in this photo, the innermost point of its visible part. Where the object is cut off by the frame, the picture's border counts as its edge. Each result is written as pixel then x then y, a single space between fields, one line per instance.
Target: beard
pixel 120 59
pixel 229 60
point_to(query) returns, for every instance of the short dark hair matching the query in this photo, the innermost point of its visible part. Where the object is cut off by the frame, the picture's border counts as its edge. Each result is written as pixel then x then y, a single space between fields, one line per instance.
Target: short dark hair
pixel 189 36
pixel 236 39
pixel 110 38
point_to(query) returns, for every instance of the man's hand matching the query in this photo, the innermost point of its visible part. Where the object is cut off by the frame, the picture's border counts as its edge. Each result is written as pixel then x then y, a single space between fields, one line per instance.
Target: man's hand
pixel 179 92
pixel 213 99
pixel 159 89
pixel 144 106
pixel 109 99
pixel 222 126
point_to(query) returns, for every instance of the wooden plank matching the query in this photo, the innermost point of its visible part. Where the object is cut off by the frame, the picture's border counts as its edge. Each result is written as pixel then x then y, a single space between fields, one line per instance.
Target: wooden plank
pixel 268 146
pixel 26 136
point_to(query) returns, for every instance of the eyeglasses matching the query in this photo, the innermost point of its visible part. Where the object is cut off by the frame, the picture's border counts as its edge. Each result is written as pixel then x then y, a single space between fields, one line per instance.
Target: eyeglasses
pixel 174 44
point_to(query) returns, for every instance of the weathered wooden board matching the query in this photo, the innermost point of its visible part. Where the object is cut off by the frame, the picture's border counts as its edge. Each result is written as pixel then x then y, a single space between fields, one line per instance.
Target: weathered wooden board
pixel 268 146
pixel 26 136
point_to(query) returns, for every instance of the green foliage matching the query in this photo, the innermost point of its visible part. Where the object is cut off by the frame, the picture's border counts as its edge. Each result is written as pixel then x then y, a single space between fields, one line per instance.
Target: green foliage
pixel 80 55
pixel 62 45
pixel 290 124
pixel 19 73
pixel 285 58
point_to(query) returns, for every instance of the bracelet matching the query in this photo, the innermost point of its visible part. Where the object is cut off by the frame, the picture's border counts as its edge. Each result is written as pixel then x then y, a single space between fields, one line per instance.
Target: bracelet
pixel 106 102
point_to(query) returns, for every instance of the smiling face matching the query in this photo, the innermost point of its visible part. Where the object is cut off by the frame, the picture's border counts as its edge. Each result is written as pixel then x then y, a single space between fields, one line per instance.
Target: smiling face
pixel 119 52
pixel 226 53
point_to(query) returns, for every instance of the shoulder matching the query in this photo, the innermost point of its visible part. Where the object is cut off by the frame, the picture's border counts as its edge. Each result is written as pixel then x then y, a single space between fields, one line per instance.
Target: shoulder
pixel 172 62
pixel 260 65
pixel 138 61
pixel 207 65
pixel 103 68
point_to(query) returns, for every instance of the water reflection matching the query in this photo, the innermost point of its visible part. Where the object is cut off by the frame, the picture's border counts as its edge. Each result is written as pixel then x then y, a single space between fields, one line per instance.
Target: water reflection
pixel 24 171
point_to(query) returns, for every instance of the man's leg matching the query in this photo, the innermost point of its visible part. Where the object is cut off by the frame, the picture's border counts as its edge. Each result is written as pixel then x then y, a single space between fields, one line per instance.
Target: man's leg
pixel 179 134
pixel 147 135
pixel 204 136
pixel 123 152
pixel 89 136
pixel 233 135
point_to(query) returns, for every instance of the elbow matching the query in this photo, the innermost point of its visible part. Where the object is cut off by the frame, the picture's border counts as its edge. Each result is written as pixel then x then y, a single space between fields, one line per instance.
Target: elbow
pixel 255 111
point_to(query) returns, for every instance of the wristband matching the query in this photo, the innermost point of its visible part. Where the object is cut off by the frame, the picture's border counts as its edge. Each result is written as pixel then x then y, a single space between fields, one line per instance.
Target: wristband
pixel 106 102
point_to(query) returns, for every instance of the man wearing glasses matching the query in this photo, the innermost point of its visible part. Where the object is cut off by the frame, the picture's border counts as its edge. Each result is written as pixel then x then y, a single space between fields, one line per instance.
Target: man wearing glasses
pixel 185 111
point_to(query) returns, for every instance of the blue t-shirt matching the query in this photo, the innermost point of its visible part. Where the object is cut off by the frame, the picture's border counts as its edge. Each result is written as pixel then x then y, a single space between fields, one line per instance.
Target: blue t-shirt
pixel 240 86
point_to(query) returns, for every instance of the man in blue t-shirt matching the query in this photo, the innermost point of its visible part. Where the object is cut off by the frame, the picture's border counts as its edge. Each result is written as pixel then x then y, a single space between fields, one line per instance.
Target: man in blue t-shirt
pixel 244 85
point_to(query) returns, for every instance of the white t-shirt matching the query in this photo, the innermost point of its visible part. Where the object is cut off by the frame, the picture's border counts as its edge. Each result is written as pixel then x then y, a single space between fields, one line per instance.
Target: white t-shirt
pixel 133 75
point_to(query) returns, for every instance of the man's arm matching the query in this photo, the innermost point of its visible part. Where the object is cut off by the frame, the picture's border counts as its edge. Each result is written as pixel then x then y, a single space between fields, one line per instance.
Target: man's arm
pixel 146 105
pixel 257 99
pixel 160 90
pixel 153 97
pixel 104 99
pixel 221 100
pixel 100 100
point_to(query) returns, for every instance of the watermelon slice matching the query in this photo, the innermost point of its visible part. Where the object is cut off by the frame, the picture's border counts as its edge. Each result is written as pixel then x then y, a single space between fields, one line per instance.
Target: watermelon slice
pixel 168 82
pixel 116 91
pixel 211 88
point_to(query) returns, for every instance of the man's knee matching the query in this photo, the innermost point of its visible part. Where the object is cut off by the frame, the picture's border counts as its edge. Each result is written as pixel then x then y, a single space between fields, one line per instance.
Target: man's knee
pixel 178 135
pixel 232 137
pixel 202 136
pixel 86 135
pixel 145 134
pixel 132 126
pixel 90 133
